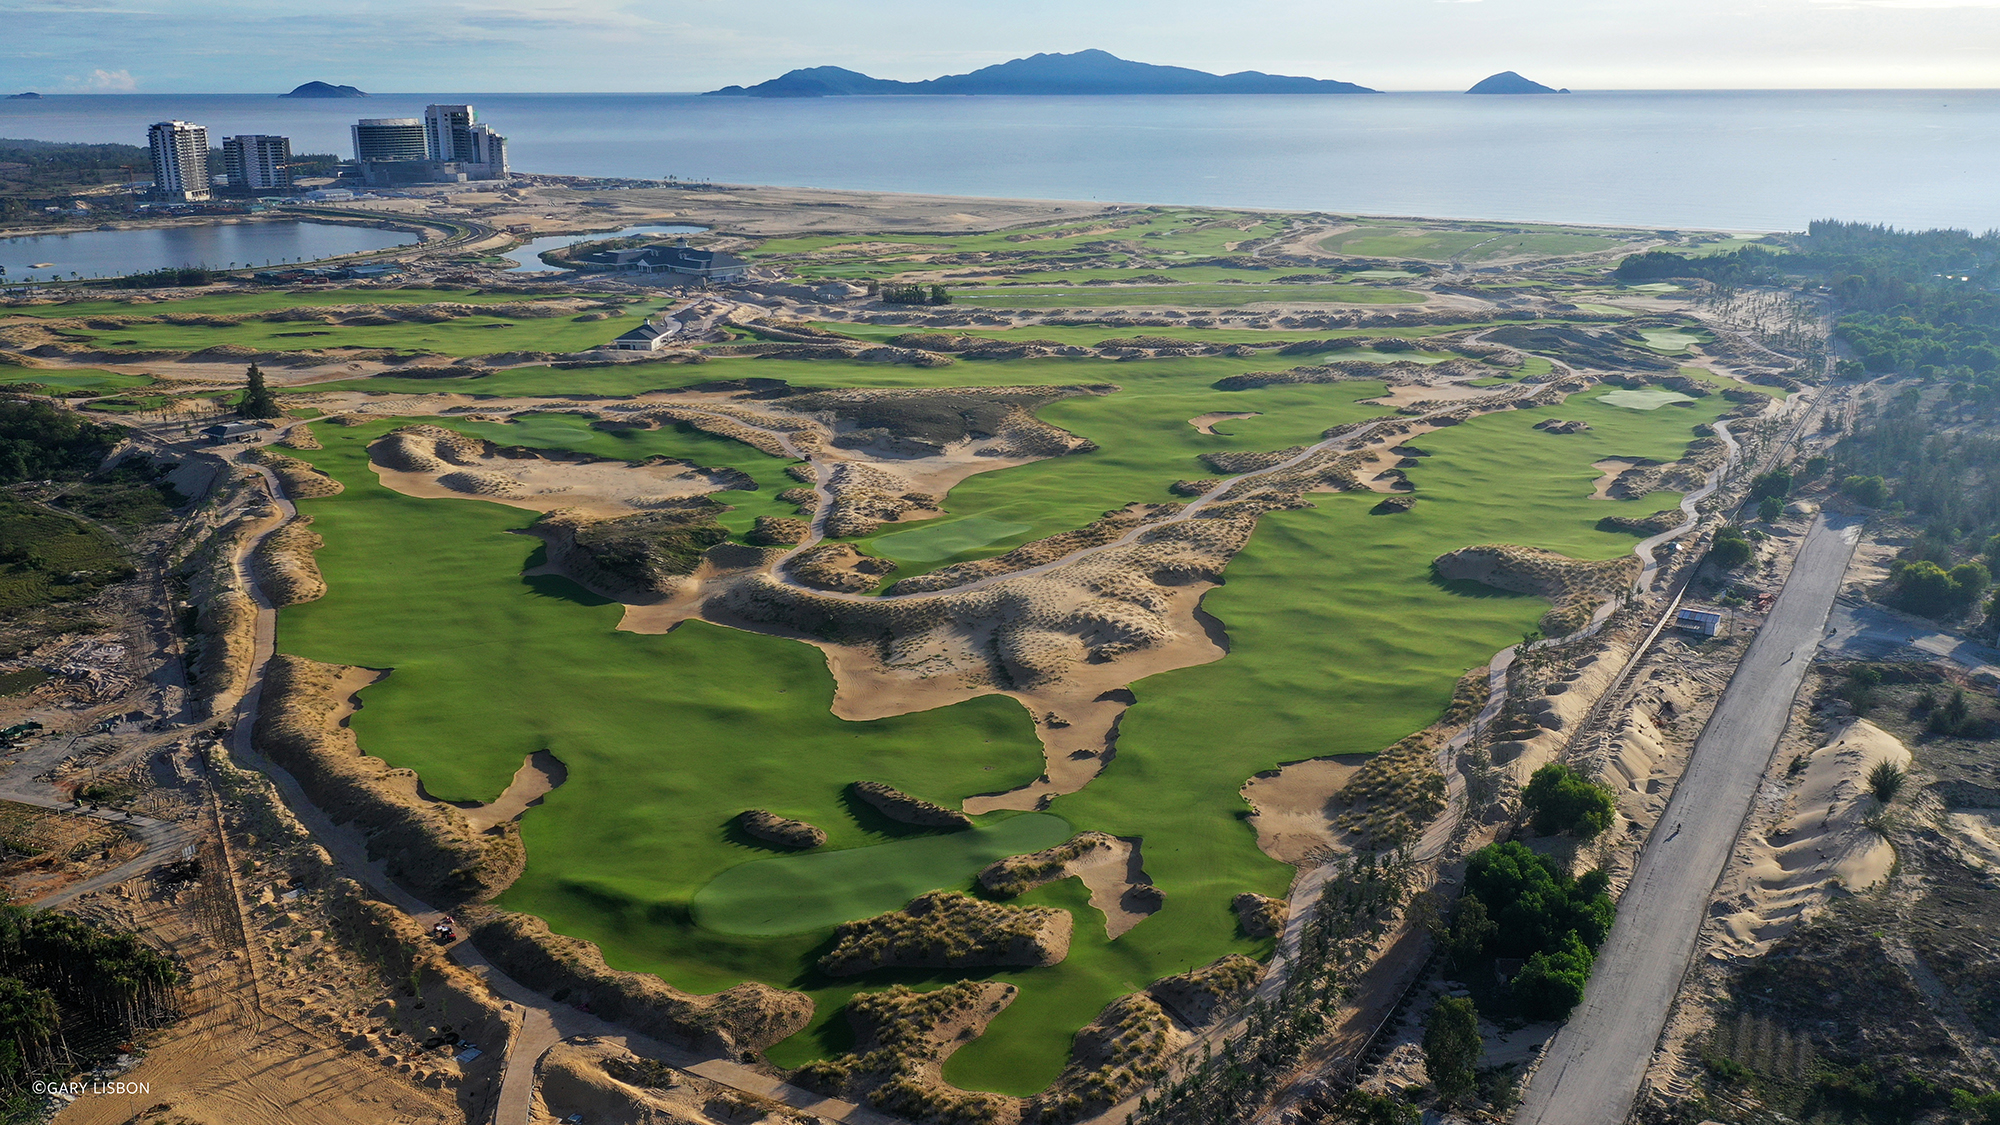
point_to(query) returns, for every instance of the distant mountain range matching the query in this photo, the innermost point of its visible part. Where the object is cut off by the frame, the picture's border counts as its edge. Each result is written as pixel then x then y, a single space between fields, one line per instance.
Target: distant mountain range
pixel 1085 72
pixel 1508 82
pixel 324 90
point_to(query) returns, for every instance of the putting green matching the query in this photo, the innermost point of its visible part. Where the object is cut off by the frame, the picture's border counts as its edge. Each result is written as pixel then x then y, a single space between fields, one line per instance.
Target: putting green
pixel 793 894
pixel 1651 398
pixel 943 540
pixel 1669 339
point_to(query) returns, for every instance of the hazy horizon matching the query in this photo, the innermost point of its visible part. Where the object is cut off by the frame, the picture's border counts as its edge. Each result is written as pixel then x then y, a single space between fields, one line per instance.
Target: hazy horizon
pixel 627 46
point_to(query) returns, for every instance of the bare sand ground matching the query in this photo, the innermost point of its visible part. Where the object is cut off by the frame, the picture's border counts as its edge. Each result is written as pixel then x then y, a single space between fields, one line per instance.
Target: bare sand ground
pixel 1408 393
pixel 604 488
pixel 1293 818
pixel 1980 830
pixel 1112 875
pixel 1820 846
pixel 1205 423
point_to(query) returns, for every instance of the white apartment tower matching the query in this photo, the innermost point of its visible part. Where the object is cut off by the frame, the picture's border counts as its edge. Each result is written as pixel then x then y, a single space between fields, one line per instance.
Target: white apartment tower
pixel 258 162
pixel 180 161
pixel 451 133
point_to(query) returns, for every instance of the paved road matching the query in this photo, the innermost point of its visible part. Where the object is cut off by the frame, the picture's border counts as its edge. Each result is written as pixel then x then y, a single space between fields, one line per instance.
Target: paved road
pixel 1594 1067
pixel 1869 632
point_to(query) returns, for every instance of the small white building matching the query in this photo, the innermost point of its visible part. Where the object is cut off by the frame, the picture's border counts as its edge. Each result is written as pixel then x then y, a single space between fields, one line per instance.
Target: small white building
pixel 647 337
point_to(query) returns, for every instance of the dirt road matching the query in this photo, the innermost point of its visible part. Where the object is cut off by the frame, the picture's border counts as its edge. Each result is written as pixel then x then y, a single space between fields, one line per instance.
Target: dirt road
pixel 1594 1067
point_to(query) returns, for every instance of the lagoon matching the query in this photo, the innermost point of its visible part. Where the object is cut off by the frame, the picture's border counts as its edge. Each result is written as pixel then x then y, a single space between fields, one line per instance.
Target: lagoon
pixel 527 256
pixel 113 253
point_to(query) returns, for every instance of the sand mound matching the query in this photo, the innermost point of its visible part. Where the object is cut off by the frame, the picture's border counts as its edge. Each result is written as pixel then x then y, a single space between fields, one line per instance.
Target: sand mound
pixel 901 1039
pixel 437 463
pixel 1111 1059
pixel 838 566
pixel 1576 587
pixel 1195 998
pixel 1042 551
pixel 301 481
pixel 900 806
pixel 475 483
pixel 634 558
pixel 748 1017
pixel 949 930
pixel 1821 845
pixel 284 567
pixel 1260 916
pixel 783 831
pixel 1017 875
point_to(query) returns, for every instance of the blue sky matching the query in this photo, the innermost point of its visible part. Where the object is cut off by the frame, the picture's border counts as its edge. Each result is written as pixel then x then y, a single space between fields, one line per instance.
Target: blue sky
pixel 226 46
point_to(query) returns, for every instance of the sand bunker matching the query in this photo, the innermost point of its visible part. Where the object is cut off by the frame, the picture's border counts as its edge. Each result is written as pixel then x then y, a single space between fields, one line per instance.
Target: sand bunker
pixel 1821 845
pixel 540 773
pixel 1611 467
pixel 1206 422
pixel 1409 394
pixel 440 464
pixel 1293 816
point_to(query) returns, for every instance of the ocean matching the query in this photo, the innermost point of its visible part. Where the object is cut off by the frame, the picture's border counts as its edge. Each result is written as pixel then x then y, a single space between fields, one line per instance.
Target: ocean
pixel 1733 160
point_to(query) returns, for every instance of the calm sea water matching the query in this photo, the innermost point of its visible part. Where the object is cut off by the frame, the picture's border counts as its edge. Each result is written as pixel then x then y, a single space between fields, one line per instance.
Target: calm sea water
pixel 1736 160
pixel 110 253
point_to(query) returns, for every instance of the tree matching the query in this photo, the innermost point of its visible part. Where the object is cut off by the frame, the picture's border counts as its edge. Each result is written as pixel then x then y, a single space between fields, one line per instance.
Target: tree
pixel 1550 985
pixel 1359 1107
pixel 1468 935
pixel 1559 799
pixel 1452 1047
pixel 258 401
pixel 939 296
pixel 1770 508
pixel 39 441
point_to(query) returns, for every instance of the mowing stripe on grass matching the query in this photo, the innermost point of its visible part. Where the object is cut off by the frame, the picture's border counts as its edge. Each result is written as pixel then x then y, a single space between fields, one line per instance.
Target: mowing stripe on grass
pixel 792 894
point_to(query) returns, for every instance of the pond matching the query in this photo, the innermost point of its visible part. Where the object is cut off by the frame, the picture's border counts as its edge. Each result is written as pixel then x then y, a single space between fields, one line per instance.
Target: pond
pixel 114 253
pixel 528 255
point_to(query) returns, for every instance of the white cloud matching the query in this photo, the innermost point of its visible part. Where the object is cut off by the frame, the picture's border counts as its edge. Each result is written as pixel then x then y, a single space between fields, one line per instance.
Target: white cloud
pixel 103 81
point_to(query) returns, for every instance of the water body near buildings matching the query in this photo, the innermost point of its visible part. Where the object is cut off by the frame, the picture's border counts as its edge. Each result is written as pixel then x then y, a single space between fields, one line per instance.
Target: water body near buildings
pixel 109 253
pixel 1756 160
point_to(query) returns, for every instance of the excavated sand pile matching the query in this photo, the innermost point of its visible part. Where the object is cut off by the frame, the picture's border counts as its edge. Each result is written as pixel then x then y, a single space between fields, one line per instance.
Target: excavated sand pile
pixel 1820 846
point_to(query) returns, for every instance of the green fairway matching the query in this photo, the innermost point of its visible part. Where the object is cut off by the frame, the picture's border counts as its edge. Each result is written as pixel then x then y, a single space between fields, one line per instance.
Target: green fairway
pixel 1192 296
pixel 72 379
pixel 945 538
pixel 793 894
pixel 1478 244
pixel 472 335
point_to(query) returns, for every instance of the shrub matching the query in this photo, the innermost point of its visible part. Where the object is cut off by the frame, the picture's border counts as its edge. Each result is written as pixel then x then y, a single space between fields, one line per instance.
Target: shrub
pixel 1536 904
pixel 1773 484
pixel 1559 799
pixel 1886 780
pixel 1871 491
pixel 1731 548
pixel 1929 590
pixel 1452 1047
pixel 1770 508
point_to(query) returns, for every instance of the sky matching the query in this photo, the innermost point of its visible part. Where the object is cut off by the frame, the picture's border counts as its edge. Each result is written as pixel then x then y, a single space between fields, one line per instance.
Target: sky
pixel 252 46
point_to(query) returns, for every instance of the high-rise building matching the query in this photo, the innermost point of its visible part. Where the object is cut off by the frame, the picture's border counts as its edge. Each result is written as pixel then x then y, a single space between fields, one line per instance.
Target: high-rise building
pixel 448 131
pixel 388 138
pixel 258 162
pixel 180 161
pixel 452 133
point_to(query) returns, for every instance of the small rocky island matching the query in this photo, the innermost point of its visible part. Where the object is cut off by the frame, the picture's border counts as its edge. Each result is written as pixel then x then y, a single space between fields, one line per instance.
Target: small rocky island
pixel 324 90
pixel 1508 82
